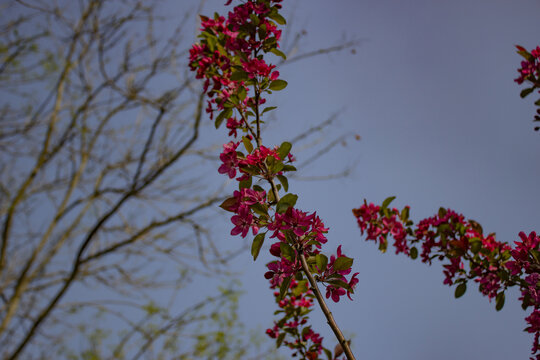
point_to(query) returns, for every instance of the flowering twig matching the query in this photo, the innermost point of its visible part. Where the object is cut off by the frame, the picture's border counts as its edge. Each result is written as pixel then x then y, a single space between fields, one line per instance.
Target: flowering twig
pixel 230 59
pixel 327 313
pixel 494 265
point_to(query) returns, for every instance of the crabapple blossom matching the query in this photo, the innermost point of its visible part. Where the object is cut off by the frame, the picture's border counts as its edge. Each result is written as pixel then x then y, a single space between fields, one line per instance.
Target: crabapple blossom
pixel 230 61
pixel 494 265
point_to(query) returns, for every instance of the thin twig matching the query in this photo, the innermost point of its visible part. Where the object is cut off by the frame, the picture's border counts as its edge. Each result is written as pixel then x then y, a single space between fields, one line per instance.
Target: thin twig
pixel 329 317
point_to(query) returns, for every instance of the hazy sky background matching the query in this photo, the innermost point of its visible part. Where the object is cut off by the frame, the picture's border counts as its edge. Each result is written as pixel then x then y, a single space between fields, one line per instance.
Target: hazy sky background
pixel 430 90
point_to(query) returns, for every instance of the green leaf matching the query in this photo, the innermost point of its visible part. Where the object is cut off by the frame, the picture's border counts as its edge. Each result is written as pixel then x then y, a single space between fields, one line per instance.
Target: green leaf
pixel 225 114
pixel 442 212
pixel 285 202
pixel 269 43
pixel 387 202
pixel 284 149
pixel 211 42
pixel 535 254
pixel 242 93
pixel 280 339
pixel 537 102
pixel 322 261
pixel 283 180
pixel 260 209
pixel 245 184
pixel 526 302
pixel 301 288
pixel 254 19
pixel 289 236
pixel 269 108
pixel 284 287
pixel 251 170
pixel 460 290
pixel 476 245
pixel 405 214
pixel 278 52
pixel 239 75
pixel 262 31
pixel 499 301
pixel 247 144
pixel 270 196
pixel 277 85
pixel 151 308
pixel 526 55
pixel 383 245
pixel 413 253
pixel 526 92
pixel 328 354
pixel 277 18
pixel 276 167
pixel 289 168
pixel 270 161
pixel 228 203
pixel 256 245
pixel 343 263
pixel 287 251
pixel 341 284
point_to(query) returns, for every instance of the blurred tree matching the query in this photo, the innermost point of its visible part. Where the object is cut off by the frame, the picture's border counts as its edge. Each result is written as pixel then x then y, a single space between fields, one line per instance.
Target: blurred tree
pixel 104 198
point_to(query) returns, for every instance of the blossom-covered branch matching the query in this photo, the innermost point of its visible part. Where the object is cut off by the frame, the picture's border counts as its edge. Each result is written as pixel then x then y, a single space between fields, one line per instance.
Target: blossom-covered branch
pixel 230 60
pixel 467 253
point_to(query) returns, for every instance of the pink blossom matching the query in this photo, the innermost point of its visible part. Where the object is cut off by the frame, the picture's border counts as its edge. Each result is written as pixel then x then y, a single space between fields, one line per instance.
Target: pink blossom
pixel 334 292
pixel 279 270
pixel 275 249
pixel 259 155
pixel 229 159
pixel 274 75
pixel 276 226
pixel 451 269
pixel 243 221
pixel 317 227
pixel 232 125
pixel 297 221
pixel 352 283
pixel 257 67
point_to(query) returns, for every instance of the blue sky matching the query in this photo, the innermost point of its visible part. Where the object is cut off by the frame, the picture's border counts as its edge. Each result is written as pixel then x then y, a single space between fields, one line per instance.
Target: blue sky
pixel 430 91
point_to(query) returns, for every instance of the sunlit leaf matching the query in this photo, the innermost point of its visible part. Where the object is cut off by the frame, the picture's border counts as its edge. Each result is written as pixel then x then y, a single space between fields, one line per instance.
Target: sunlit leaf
pixel 277 85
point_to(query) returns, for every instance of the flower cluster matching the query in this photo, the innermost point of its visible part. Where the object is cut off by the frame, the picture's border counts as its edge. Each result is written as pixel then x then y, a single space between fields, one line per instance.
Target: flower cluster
pixel 368 216
pixel 230 60
pixel 253 164
pixel 530 67
pixel 530 72
pixel 494 265
pixel 295 306
pixel 334 275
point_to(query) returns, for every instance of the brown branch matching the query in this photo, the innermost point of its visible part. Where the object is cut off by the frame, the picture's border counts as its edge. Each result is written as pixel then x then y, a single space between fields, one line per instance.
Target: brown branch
pixel 153 225
pixel 40 161
pixel 330 318
pixel 44 155
pixel 91 234
pixel 328 50
pixel 327 313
